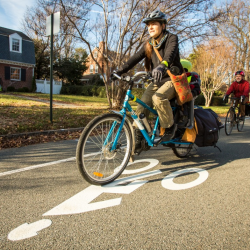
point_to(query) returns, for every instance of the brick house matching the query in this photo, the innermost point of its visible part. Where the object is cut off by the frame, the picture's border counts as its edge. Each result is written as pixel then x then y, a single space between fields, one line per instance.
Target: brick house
pixel 93 69
pixel 98 53
pixel 17 59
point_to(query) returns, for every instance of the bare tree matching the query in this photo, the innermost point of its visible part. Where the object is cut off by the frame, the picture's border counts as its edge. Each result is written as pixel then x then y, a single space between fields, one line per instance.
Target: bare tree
pixel 234 25
pixel 34 25
pixel 213 62
pixel 119 25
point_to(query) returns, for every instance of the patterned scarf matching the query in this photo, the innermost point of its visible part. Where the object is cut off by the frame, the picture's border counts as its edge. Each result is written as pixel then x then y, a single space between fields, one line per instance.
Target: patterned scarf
pixel 153 42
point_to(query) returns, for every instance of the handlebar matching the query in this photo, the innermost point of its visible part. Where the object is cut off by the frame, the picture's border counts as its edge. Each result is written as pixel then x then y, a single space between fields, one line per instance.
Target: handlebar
pixel 131 78
pixel 237 98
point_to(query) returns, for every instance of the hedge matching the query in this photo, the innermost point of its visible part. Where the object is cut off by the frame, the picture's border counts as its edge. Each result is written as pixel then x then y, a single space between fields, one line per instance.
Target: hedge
pixel 216 101
pixel 90 90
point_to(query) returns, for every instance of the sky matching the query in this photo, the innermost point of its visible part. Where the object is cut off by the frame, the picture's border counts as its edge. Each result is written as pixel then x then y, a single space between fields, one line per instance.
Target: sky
pixel 12 13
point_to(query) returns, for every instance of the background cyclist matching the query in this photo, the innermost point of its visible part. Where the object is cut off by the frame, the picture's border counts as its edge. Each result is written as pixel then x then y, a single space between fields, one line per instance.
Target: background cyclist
pixel 240 88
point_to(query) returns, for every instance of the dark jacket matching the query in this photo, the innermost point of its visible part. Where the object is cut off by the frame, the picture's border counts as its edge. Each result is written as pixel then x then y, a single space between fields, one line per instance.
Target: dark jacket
pixel 169 52
pixel 239 88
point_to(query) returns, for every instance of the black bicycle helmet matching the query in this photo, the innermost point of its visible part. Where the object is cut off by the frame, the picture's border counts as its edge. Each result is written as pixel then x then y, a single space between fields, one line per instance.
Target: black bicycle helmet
pixel 155 16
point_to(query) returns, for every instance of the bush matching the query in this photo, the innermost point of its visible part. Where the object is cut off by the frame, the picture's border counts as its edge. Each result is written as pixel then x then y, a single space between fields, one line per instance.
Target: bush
pixel 200 100
pixel 33 87
pixel 138 92
pixel 90 90
pixel 11 89
pixel 217 101
pixel 77 90
pixel 101 92
pixel 218 93
pixel 87 90
pixel 24 89
pixel 97 80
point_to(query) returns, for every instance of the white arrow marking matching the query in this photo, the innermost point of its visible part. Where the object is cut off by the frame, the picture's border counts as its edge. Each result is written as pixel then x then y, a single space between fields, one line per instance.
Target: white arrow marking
pixel 81 202
pixel 28 230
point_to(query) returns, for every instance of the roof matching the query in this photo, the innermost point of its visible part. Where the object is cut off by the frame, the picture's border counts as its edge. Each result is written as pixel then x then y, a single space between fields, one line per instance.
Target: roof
pixel 7 32
pixel 28 48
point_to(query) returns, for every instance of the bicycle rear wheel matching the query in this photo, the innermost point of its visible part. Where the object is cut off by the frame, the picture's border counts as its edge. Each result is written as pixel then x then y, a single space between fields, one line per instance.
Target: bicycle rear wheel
pixel 240 124
pixel 182 150
pixel 96 162
pixel 229 122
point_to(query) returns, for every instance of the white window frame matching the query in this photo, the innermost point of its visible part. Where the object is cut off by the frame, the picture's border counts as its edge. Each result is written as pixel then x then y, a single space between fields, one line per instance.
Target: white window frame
pixel 14 79
pixel 96 68
pixel 12 39
pixel 95 54
pixel 91 69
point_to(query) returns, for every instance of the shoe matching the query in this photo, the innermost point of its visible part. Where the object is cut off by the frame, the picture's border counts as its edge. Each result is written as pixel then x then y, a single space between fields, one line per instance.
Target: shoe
pixel 138 139
pixel 242 118
pixel 169 133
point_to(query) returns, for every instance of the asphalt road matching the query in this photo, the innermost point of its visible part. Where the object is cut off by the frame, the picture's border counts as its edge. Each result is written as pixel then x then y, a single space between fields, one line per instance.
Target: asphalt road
pixel 45 204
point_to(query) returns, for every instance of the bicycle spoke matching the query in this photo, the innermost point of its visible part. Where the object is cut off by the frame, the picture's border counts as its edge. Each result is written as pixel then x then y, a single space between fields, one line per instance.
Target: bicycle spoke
pixel 96 161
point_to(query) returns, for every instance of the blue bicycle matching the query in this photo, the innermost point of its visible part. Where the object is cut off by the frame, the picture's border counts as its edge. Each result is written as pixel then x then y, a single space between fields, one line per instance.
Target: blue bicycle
pixel 108 142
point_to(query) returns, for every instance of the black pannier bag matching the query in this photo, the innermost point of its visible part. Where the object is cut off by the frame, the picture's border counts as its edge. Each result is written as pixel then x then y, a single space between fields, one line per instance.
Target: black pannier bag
pixel 247 109
pixel 208 126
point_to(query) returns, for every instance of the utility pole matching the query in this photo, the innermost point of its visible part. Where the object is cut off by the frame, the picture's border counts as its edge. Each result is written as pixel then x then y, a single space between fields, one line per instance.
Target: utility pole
pixel 52 27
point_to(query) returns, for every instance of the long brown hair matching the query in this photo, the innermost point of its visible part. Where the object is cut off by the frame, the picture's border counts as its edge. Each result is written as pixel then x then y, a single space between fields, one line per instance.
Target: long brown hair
pixel 148 51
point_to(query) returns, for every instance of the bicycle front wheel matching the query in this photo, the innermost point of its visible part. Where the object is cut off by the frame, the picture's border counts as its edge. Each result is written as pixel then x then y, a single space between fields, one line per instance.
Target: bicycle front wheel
pixel 229 122
pixel 240 124
pixel 182 150
pixel 98 164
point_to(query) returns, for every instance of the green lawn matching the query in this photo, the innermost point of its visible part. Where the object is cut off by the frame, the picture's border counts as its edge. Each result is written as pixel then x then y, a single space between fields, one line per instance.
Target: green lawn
pixel 18 115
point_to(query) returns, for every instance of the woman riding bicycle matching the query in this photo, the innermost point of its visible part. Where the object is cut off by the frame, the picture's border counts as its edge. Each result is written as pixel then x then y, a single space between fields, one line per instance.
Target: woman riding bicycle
pixel 240 88
pixel 159 92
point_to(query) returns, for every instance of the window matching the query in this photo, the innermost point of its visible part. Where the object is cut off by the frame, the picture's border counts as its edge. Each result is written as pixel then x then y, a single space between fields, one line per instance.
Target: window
pixel 91 69
pixel 15 44
pixel 95 54
pixel 15 74
pixel 96 68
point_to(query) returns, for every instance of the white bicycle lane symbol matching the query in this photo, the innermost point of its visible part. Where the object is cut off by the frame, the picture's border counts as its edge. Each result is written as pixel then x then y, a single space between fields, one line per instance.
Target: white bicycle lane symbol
pixel 81 202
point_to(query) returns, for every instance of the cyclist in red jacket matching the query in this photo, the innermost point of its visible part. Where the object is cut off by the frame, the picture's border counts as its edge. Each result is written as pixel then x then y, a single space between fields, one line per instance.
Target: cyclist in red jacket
pixel 240 88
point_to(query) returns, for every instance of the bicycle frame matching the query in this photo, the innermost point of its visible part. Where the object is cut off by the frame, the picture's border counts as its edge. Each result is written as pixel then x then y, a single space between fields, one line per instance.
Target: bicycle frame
pixel 150 140
pixel 236 108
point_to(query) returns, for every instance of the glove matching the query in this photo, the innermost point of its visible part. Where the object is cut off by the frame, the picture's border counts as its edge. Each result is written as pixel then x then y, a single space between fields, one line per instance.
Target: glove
pixel 158 73
pixel 225 98
pixel 242 98
pixel 117 72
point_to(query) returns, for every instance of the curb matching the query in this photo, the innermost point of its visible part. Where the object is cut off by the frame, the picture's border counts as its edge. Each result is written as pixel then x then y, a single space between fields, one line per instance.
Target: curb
pixel 46 132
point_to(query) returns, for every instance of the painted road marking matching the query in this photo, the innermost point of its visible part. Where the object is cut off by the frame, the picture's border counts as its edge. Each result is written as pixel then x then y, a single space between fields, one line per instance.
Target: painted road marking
pixel 43 165
pixel 81 202
pixel 36 166
pixel 168 181
pixel 153 163
pixel 26 230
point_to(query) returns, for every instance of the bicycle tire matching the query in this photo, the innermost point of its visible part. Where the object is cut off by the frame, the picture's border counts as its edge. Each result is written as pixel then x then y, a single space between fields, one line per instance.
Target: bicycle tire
pixel 182 150
pixel 96 163
pixel 229 122
pixel 240 124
